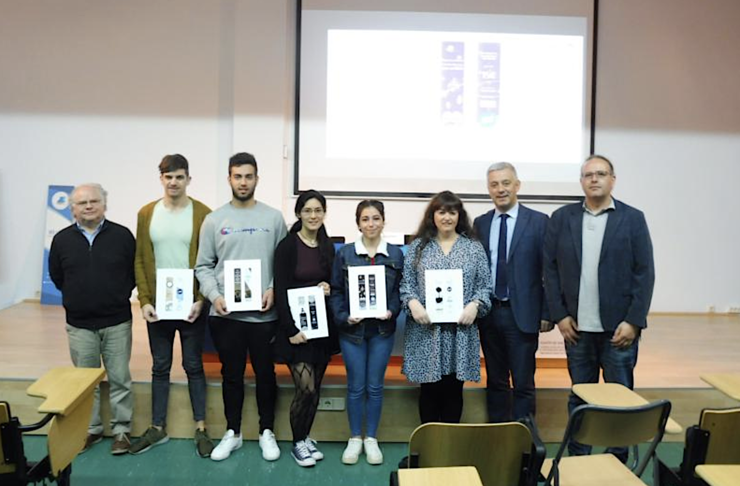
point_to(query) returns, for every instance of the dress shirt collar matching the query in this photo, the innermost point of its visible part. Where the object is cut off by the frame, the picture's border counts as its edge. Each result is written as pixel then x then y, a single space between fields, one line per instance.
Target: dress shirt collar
pixel 361 250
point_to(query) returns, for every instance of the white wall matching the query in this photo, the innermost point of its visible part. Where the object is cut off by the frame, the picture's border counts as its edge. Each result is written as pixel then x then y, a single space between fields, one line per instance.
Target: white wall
pixel 100 90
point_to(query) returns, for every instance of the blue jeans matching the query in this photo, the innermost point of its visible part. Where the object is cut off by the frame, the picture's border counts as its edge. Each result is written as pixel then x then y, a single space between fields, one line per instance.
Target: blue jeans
pixel 366 363
pixel 113 345
pixel 161 339
pixel 592 354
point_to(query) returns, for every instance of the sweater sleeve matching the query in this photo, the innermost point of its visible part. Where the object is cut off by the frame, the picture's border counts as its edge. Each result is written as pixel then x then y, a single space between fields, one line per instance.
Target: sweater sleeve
pixel 142 283
pixel 338 300
pixel 284 265
pixel 205 264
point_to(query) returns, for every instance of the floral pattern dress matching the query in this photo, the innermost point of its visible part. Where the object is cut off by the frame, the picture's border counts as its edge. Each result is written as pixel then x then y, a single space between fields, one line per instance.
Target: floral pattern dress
pixel 432 351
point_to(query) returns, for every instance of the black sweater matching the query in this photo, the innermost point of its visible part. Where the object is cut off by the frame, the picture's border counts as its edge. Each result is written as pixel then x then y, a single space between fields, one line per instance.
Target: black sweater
pixel 286 256
pixel 96 281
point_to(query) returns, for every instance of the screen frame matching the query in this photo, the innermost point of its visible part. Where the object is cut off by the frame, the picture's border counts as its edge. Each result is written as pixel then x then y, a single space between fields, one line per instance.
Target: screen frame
pixel 426 195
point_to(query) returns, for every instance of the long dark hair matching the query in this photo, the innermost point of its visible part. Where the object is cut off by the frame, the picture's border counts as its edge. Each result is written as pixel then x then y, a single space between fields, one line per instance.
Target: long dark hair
pixel 448 201
pixel 326 247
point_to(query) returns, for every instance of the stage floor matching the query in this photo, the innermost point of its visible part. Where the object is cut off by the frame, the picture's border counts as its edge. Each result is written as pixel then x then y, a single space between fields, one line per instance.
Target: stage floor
pixel 674 351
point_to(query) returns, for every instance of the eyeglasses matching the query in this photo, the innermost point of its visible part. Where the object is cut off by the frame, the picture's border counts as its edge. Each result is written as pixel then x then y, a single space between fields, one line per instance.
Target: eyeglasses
pixel 91 202
pixel 309 211
pixel 600 174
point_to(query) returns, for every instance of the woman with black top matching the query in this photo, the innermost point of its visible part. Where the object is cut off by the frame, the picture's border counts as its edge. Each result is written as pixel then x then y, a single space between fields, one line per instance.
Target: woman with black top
pixel 303 259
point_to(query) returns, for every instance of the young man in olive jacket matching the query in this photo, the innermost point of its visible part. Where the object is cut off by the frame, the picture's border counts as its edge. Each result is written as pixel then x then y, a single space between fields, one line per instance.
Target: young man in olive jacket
pixel 168 232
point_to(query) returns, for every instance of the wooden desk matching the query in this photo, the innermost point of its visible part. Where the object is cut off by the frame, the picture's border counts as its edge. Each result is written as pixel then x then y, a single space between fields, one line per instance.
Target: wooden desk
pixel 439 476
pixel 727 383
pixel 65 388
pixel 719 474
pixel 616 395
pixel 69 397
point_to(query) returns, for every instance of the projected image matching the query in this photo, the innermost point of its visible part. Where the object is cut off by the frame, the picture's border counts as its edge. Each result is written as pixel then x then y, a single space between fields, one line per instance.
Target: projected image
pixel 489 78
pixel 453 82
pixel 387 83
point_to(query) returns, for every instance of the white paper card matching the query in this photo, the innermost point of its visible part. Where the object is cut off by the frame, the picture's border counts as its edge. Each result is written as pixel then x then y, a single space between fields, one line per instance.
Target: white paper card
pixel 174 293
pixel 444 295
pixel 308 308
pixel 243 285
pixel 367 291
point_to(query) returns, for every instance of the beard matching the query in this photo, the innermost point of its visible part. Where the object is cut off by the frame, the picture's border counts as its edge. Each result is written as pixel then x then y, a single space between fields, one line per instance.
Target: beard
pixel 244 198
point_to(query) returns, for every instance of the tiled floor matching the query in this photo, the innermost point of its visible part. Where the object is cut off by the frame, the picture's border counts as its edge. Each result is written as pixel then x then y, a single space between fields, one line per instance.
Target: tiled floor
pixel 176 463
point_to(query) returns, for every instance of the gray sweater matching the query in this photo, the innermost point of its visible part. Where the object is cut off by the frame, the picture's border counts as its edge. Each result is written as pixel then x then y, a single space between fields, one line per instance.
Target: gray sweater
pixel 230 233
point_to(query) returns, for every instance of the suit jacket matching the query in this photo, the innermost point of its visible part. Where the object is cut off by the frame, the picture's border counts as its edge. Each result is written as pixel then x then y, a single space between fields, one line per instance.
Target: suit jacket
pixel 626 268
pixel 523 265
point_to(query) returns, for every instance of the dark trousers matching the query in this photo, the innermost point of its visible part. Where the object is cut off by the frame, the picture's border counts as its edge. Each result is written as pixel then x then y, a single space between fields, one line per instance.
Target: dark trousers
pixel 161 340
pixel 234 341
pixel 592 354
pixel 508 351
pixel 441 401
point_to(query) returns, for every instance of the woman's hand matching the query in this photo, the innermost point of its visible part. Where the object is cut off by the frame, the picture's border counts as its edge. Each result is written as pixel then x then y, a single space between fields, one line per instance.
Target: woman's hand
pixel 299 338
pixel 418 312
pixel 325 287
pixel 469 313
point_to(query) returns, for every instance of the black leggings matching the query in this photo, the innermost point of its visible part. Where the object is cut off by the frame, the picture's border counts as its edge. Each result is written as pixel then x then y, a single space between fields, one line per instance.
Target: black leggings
pixel 307 378
pixel 441 401
pixel 234 340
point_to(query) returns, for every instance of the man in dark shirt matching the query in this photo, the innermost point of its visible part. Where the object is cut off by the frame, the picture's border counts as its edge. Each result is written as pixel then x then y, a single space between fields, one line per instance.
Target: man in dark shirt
pixel 92 263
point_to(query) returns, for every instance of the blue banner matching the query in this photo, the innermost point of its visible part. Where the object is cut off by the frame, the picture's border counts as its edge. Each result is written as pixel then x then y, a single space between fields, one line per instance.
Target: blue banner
pixel 58 217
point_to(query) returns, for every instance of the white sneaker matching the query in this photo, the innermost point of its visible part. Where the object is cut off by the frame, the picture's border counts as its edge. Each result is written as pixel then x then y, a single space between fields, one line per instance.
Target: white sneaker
pixel 372 451
pixel 229 443
pixel 268 444
pixel 313 449
pixel 353 450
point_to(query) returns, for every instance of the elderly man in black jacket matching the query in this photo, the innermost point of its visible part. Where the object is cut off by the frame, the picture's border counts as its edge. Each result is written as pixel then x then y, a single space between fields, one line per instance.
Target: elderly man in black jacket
pixel 92 263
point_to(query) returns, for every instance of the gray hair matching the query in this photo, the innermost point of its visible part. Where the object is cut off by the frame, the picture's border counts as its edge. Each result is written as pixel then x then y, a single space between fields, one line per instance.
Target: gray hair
pixel 92 185
pixel 600 157
pixel 502 166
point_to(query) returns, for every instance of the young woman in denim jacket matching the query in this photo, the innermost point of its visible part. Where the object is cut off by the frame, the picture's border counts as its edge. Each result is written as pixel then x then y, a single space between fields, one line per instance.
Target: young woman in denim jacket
pixel 366 343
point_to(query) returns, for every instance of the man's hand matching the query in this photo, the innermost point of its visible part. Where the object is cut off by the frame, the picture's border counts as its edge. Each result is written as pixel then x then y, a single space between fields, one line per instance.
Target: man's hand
pixel 325 287
pixel 268 299
pixel 569 330
pixel 195 311
pixel 299 338
pixel 418 312
pixel 220 306
pixel 387 316
pixel 469 313
pixel 624 335
pixel 546 326
pixel 149 313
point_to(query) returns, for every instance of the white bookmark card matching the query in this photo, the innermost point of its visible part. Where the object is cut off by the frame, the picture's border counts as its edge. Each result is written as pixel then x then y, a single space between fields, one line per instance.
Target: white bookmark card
pixel 367 292
pixel 243 285
pixel 444 295
pixel 308 308
pixel 174 293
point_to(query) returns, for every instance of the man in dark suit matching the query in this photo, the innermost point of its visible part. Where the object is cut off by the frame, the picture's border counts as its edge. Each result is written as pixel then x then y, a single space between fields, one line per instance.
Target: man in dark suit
pixel 513 236
pixel 599 278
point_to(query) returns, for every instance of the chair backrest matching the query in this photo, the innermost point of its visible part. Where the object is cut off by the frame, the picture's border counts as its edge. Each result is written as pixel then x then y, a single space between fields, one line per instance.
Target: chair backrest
pixel 724 435
pixel 496 450
pixel 4 419
pixel 619 426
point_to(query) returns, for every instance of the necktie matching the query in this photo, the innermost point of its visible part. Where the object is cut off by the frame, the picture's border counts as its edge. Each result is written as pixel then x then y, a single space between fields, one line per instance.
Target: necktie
pixel 502 282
